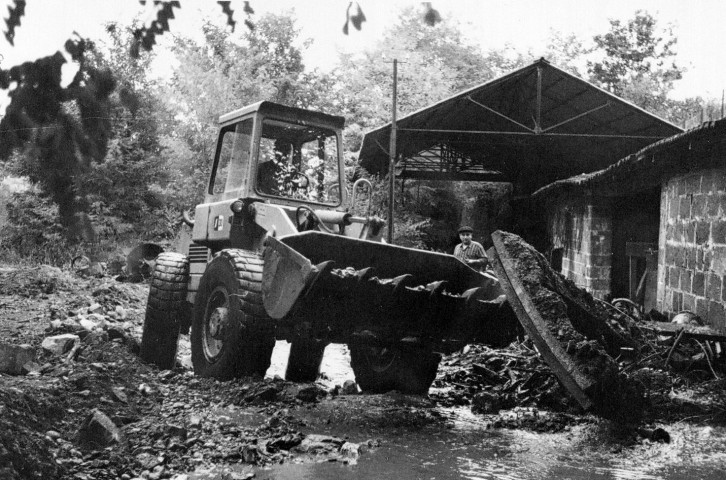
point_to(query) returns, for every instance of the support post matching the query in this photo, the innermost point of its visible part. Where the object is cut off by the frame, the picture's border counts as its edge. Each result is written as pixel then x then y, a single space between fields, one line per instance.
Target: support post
pixel 392 155
pixel 538 126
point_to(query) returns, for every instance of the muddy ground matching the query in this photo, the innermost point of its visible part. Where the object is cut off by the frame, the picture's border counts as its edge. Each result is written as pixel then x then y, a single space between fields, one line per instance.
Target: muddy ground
pixel 93 410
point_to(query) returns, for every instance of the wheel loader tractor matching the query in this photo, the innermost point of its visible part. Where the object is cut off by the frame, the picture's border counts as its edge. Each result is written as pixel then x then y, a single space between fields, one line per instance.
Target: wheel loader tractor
pixel 283 250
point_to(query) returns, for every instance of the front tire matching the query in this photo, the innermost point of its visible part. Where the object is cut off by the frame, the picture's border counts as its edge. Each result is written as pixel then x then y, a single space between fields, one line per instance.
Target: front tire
pixel 382 369
pixel 232 336
pixel 165 310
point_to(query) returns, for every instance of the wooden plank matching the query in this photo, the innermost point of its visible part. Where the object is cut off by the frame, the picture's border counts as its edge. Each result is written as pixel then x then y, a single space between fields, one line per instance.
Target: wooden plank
pixel 576 382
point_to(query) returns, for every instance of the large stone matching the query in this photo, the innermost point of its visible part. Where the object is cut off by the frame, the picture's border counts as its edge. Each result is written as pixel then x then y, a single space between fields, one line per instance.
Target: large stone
pixel 13 357
pixel 60 344
pixel 98 431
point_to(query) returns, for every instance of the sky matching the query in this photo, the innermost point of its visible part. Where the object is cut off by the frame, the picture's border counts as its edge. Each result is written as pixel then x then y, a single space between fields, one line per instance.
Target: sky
pixel 524 24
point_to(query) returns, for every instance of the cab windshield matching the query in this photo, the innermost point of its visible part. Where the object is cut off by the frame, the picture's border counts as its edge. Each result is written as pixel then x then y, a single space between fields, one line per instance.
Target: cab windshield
pixel 298 162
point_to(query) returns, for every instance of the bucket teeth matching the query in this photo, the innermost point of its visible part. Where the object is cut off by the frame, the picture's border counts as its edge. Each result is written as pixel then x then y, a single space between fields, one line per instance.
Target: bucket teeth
pixel 365 274
pixel 399 304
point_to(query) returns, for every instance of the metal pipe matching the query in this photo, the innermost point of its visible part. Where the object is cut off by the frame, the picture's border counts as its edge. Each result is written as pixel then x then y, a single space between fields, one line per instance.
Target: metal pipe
pixel 392 155
pixel 528 134
pixel 538 122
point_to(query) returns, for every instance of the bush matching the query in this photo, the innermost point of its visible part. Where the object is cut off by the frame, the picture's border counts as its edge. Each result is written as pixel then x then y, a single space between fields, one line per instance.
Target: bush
pixel 32 231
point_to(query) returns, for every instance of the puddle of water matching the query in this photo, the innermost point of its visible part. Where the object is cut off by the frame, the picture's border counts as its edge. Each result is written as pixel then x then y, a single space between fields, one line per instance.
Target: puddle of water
pixel 507 455
pixel 458 445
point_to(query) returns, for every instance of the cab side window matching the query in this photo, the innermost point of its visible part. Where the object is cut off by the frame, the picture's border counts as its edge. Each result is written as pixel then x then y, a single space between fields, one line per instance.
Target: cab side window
pixel 233 158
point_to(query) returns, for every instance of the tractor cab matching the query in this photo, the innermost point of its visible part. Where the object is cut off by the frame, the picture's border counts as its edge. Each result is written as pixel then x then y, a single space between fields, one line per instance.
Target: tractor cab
pixel 276 168
pixel 278 154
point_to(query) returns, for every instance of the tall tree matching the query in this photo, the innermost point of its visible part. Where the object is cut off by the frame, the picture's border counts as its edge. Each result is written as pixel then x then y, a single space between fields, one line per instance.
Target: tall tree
pixel 124 186
pixel 636 55
pixel 441 42
pixel 226 71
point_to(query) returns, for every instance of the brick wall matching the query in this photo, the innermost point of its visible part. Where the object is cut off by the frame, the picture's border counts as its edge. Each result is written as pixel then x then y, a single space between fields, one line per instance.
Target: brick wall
pixel 583 229
pixel 692 246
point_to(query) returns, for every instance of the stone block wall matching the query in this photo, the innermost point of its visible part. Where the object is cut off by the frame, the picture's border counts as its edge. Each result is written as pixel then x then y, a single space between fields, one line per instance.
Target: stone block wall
pixel 582 228
pixel 692 246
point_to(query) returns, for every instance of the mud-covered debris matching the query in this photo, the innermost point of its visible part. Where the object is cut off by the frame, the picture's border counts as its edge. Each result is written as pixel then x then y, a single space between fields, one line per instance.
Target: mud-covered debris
pixel 285 442
pixel 535 420
pixel 259 393
pixel 655 434
pixel 487 402
pixel 310 393
pixel 98 431
pixel 570 328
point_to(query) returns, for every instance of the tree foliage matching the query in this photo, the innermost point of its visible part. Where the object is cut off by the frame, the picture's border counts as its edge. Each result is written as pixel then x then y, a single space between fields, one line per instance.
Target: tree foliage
pixel 60 128
pixel 634 51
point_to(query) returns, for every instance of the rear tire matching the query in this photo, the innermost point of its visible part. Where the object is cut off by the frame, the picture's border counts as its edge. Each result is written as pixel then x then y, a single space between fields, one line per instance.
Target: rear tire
pixel 165 310
pixel 232 336
pixel 303 363
pixel 382 369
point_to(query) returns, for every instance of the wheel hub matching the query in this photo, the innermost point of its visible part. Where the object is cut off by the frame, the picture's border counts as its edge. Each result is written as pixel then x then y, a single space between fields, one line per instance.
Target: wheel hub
pixel 218 322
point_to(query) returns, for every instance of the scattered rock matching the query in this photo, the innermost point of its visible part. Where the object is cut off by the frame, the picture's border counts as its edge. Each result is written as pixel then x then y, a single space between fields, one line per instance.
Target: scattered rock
pixel 95 308
pixel 31 368
pixel 87 324
pixel 286 442
pixel 96 338
pixel 14 357
pixel 350 450
pixel 60 344
pixel 195 421
pixel 250 454
pixel 119 394
pixel 262 393
pixel 319 444
pixel 148 461
pixel 98 430
pixel 176 431
pixel 121 312
pixel 145 390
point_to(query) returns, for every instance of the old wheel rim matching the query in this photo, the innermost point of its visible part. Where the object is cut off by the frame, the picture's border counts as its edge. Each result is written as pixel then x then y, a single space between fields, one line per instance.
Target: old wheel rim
pixel 380 359
pixel 216 316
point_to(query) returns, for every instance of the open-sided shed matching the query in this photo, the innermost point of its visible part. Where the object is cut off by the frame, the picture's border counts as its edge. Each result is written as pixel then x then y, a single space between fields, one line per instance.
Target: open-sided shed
pixel 530 127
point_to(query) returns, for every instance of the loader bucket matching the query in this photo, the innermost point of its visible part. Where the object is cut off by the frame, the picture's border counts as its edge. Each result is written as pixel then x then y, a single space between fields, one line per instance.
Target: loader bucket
pixel 358 284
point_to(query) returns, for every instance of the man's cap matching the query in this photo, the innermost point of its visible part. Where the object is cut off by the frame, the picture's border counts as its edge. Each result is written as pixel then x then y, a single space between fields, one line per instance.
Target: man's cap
pixel 465 229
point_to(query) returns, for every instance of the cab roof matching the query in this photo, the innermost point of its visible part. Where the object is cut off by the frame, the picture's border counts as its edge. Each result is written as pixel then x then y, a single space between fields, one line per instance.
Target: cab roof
pixel 298 115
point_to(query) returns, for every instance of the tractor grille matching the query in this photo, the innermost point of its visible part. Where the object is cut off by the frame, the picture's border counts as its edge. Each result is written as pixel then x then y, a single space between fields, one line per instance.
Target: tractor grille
pixel 198 253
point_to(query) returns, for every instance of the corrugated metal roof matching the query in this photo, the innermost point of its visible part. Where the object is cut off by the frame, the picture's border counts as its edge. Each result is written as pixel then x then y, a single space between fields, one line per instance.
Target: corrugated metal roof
pixel 651 165
pixel 494 126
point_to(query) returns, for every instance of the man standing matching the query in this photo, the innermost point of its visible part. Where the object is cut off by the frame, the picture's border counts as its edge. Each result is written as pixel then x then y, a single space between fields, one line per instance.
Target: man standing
pixel 470 252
